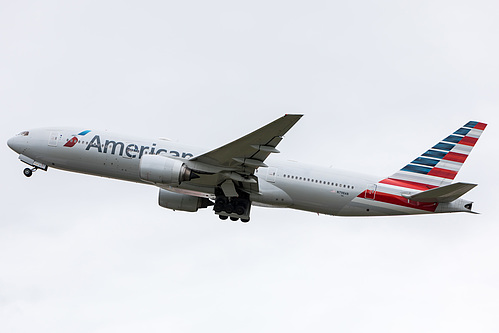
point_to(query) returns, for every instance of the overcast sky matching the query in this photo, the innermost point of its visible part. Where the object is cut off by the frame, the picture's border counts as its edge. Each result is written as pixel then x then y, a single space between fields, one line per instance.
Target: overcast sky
pixel 378 82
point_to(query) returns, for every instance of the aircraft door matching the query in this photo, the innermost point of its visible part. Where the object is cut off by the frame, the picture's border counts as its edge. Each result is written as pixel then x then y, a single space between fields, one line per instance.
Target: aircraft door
pixel 271 174
pixel 370 192
pixel 53 138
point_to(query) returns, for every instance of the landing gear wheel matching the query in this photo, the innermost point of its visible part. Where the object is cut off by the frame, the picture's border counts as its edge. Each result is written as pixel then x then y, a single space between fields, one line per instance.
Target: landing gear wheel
pixel 223 217
pixel 232 218
pixel 229 208
pixel 239 210
pixel 245 220
pixel 28 172
pixel 218 207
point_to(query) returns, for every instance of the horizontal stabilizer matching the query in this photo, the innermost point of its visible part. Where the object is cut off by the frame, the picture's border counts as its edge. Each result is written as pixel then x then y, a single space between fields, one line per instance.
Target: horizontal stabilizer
pixel 446 193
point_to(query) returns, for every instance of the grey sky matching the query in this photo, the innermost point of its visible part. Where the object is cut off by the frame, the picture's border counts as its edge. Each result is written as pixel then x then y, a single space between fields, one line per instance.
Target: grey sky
pixel 378 84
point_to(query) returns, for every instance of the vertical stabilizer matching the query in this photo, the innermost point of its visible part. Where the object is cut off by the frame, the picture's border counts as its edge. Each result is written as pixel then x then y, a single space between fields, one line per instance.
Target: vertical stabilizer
pixel 439 165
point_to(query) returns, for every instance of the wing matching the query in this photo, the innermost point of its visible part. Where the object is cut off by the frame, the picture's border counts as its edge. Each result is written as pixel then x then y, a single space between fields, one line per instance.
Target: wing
pixel 238 159
pixel 246 154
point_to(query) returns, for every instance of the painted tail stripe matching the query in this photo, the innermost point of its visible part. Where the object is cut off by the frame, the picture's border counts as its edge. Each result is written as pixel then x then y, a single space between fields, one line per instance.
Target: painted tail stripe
pixel 453 138
pixel 462 131
pixel 474 133
pixel 471 124
pixel 476 125
pixel 468 141
pixel 480 126
pixel 449 165
pixel 407 184
pixel 425 161
pixel 443 173
pixel 416 168
pixel 462 149
pixel 434 153
pixel 418 178
pixel 443 146
pixel 456 157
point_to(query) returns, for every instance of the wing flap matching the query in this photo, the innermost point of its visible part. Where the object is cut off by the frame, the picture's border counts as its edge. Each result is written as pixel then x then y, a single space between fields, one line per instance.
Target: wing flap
pixel 446 193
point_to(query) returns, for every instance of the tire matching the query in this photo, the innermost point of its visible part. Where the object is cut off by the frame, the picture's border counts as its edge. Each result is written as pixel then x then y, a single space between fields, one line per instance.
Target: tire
pixel 27 172
pixel 239 210
pixel 218 207
pixel 229 208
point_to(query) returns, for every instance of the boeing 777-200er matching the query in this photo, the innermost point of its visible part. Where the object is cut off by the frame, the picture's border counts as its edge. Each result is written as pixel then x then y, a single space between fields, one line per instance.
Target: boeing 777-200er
pixel 234 177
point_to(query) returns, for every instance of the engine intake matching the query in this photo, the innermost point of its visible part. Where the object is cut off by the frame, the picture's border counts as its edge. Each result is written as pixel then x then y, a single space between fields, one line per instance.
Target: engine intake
pixel 164 170
pixel 183 202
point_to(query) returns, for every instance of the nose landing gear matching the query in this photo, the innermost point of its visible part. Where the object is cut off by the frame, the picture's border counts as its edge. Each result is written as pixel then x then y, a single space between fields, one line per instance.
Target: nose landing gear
pixel 35 165
pixel 29 172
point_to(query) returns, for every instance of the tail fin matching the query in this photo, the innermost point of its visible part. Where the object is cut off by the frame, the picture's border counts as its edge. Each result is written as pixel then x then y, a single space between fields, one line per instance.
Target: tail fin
pixel 439 165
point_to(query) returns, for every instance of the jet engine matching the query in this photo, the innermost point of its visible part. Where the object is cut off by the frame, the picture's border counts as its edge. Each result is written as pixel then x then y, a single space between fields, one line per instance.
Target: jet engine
pixel 183 202
pixel 164 170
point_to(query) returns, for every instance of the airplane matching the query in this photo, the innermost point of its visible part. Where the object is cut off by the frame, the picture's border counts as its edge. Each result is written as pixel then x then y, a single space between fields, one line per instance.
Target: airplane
pixel 234 177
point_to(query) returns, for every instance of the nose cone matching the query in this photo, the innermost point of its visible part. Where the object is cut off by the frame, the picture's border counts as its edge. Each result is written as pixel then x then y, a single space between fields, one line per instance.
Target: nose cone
pixel 17 144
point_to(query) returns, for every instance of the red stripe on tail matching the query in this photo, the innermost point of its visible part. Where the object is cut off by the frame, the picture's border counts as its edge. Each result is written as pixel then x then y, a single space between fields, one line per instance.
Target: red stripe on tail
pixel 442 173
pixel 468 141
pixel 455 157
pixel 480 126
pixel 407 184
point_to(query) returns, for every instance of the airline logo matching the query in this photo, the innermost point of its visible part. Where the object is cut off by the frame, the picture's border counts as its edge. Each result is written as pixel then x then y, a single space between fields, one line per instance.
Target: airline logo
pixel 436 167
pixel 74 140
pixel 440 164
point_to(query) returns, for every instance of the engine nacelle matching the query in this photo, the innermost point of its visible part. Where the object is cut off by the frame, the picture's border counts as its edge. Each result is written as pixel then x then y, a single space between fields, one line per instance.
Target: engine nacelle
pixel 183 202
pixel 162 169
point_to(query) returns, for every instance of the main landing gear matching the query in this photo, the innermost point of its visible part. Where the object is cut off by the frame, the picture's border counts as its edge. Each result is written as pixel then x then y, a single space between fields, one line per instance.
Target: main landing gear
pixel 235 207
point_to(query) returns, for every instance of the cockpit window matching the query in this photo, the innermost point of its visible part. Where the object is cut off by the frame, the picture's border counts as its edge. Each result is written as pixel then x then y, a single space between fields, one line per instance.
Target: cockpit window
pixel 24 133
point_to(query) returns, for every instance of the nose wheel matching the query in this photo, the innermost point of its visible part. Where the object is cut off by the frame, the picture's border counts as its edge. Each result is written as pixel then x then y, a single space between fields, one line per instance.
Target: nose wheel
pixel 29 172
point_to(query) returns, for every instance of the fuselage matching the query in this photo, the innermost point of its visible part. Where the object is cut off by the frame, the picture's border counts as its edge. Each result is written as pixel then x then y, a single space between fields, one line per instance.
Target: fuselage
pixel 283 184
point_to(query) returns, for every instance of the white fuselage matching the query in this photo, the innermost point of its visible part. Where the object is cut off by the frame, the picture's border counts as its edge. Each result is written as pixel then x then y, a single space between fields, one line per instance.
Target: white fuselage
pixel 286 184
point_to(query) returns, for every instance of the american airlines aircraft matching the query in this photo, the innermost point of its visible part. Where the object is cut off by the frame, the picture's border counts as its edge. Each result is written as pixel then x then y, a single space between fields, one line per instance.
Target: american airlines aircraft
pixel 234 177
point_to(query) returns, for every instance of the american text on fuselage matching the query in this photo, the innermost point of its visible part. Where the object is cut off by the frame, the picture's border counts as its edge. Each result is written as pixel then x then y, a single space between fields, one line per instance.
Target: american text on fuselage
pixel 131 150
